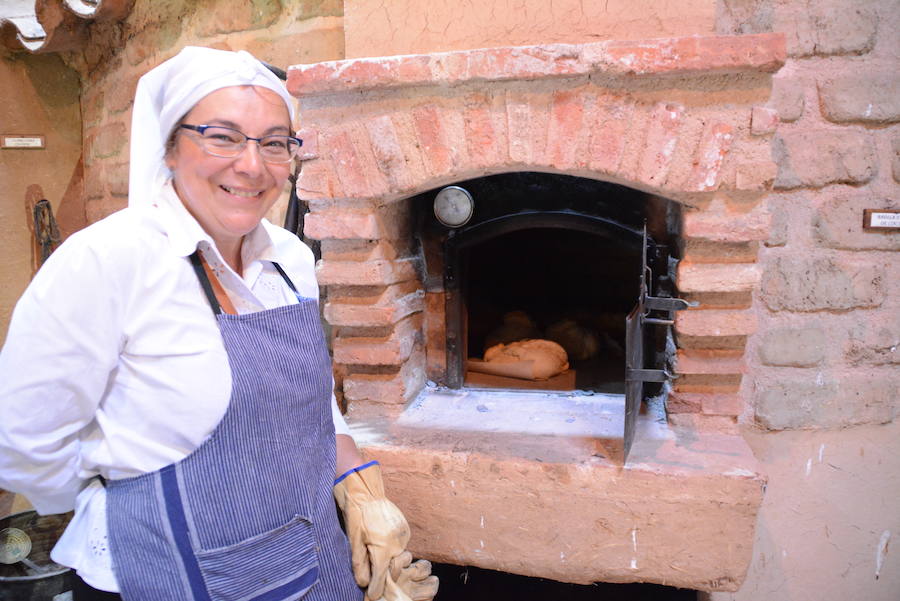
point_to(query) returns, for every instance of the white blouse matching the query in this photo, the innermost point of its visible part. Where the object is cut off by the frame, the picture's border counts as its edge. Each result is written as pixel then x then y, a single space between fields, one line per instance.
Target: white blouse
pixel 114 364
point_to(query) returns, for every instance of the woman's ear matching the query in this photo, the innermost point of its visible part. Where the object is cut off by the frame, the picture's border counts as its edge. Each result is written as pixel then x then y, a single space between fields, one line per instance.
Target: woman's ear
pixel 170 159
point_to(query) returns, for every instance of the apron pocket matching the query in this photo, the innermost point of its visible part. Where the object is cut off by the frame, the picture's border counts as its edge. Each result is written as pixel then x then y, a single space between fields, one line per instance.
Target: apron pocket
pixel 278 565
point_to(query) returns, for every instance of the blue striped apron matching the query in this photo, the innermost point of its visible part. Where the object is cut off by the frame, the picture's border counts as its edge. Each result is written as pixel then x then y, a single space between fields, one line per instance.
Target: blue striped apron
pixel 249 515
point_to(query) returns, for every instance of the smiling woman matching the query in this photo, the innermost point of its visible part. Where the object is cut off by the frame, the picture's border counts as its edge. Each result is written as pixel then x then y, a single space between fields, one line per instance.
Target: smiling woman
pixel 187 413
pixel 229 196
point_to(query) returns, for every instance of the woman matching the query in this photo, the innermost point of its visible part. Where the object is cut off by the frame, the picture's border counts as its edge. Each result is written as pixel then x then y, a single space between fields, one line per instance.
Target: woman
pixel 165 374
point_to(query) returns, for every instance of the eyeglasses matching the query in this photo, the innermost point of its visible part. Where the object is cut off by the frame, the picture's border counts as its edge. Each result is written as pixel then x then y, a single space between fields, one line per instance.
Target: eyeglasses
pixel 228 143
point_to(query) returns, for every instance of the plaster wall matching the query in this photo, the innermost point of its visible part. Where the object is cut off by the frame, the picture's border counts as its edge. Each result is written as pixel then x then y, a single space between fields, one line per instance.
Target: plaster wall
pixel 378 28
pixel 39 96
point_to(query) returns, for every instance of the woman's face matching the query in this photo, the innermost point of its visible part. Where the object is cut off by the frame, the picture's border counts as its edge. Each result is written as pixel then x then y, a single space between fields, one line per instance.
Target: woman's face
pixel 229 196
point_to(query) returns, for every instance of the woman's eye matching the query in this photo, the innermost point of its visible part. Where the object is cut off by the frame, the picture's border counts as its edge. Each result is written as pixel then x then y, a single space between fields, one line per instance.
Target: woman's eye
pixel 275 143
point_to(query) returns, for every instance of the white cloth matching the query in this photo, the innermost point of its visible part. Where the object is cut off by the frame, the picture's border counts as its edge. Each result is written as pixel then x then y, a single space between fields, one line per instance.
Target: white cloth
pixel 114 363
pixel 171 89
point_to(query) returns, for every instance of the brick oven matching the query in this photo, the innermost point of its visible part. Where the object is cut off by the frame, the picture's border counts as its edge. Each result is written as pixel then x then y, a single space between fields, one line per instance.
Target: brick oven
pixel 568 151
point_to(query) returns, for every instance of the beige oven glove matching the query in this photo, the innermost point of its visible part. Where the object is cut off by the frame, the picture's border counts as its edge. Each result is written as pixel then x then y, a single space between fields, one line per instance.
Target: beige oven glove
pixel 377 530
pixel 414 583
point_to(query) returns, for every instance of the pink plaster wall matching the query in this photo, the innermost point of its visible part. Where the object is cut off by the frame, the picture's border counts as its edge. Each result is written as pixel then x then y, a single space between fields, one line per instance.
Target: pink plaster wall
pixel 378 28
pixel 39 96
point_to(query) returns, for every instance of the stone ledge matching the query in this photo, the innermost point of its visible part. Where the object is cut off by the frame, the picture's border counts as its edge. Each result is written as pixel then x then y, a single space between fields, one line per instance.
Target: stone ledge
pixel 532 487
pixel 764 52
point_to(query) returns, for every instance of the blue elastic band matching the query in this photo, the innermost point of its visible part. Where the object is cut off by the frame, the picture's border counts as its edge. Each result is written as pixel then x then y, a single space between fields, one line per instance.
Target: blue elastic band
pixel 358 468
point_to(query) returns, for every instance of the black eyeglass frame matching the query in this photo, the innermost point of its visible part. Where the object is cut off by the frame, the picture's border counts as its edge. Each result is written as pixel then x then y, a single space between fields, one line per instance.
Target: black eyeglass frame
pixel 202 128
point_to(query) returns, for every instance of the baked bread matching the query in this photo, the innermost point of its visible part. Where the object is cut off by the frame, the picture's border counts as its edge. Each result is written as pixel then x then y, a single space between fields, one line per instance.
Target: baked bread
pixel 547 357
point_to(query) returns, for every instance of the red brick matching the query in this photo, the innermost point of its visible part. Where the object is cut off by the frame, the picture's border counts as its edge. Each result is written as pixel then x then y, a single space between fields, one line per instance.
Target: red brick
pixel 710 362
pixel 485 132
pixel 706 403
pixel 389 307
pixel 660 143
pixel 723 404
pixel 373 273
pixel 527 124
pixel 388 350
pixel 395 388
pixel 709 383
pixel 524 62
pixel 435 144
pixel 310 148
pixel 518 115
pixel 608 125
pixel 759 52
pixel 726 226
pixel 364 250
pixel 318 181
pixel 683 402
pixel 355 74
pixel 354 163
pixel 390 152
pixel 566 130
pixel 700 250
pixel 715 322
pixel 342 224
pixel 714 146
pixel 763 120
pixel 693 277
pixel 435 335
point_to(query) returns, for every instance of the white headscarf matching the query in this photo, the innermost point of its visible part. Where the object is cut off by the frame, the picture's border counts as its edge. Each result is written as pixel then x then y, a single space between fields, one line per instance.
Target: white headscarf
pixel 167 92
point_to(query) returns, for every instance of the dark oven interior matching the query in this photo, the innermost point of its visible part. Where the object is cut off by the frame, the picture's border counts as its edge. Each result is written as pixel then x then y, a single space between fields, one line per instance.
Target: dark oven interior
pixel 545 256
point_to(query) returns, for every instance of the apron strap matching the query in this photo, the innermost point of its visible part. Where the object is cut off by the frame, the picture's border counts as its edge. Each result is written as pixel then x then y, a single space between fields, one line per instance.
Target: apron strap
pixel 204 282
pixel 210 293
pixel 288 281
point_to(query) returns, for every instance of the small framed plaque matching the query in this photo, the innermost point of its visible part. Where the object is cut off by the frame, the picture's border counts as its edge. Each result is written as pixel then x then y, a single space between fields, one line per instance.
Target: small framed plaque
pixel 21 141
pixel 881 220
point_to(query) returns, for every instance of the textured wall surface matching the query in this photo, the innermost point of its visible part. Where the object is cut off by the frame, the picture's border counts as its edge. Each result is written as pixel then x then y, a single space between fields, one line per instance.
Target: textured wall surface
pixel 378 28
pixel 40 96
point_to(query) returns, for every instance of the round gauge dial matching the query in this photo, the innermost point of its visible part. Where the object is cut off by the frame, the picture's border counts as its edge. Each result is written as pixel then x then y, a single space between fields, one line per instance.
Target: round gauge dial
pixel 453 206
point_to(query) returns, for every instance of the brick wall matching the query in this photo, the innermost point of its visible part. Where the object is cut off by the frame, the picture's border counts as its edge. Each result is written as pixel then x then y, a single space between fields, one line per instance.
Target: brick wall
pixel 826 353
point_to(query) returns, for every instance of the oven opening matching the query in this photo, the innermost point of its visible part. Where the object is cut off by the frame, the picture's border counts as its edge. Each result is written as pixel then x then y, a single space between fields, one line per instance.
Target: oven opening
pixel 537 278
pixel 567 286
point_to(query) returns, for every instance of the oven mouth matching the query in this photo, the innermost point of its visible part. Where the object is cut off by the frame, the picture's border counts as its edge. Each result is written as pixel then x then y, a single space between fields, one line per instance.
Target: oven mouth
pixel 548 257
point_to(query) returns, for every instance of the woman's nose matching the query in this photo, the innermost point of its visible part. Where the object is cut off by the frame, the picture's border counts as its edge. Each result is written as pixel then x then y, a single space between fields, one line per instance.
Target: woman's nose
pixel 249 161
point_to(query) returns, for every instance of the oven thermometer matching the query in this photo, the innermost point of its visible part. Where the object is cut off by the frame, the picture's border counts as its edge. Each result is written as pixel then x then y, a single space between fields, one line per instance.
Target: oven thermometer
pixel 453 206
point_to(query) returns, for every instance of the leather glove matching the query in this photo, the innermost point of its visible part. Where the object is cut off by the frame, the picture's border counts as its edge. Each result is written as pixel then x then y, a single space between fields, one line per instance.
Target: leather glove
pixel 377 530
pixel 414 583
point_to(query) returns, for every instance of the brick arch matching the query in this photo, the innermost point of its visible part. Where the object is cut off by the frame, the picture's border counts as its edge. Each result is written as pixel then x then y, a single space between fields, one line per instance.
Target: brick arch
pixel 388 129
pixel 659 147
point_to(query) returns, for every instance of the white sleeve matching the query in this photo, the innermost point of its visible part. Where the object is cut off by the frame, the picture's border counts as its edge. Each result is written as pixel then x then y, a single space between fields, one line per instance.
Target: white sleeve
pixel 62 344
